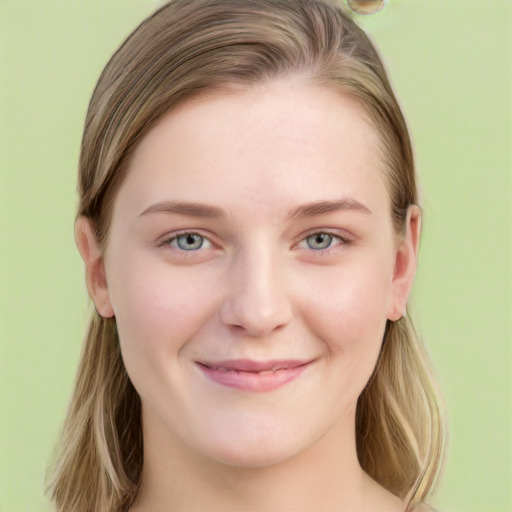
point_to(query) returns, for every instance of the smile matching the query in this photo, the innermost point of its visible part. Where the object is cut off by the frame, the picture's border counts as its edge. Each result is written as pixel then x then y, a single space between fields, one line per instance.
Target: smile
pixel 256 376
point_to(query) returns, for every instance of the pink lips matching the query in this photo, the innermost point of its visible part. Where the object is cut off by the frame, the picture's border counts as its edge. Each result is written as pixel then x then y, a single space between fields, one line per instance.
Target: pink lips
pixel 249 375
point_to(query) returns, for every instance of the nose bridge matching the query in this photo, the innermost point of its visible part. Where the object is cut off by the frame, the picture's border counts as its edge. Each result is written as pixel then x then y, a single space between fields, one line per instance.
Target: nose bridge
pixel 257 299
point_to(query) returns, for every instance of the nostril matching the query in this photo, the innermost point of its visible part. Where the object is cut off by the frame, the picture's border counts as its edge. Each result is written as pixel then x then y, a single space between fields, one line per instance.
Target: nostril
pixel 255 324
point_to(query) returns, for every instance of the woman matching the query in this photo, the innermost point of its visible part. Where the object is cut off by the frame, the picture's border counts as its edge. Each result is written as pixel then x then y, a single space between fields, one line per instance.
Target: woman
pixel 249 225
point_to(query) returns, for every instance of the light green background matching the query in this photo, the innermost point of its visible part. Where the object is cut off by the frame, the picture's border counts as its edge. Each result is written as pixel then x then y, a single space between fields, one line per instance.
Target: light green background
pixel 450 62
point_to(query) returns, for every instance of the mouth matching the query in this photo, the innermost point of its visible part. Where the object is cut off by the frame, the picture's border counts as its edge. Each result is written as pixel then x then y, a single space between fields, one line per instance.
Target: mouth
pixel 256 376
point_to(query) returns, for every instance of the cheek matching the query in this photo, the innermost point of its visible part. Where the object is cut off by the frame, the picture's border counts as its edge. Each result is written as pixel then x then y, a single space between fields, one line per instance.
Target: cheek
pixel 348 314
pixel 157 310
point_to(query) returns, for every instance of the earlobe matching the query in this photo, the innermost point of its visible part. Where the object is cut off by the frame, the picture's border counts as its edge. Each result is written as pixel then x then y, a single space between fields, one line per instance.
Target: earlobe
pixel 95 275
pixel 406 262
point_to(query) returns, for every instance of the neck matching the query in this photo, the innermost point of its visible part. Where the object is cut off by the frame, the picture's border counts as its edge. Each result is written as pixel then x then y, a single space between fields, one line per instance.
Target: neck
pixel 326 476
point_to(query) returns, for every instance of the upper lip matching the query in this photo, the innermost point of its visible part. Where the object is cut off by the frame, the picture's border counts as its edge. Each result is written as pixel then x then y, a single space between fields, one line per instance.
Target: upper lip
pixel 248 365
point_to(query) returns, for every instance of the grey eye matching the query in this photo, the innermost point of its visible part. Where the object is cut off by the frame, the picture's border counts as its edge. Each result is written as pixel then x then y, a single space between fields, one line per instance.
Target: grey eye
pixel 189 241
pixel 319 241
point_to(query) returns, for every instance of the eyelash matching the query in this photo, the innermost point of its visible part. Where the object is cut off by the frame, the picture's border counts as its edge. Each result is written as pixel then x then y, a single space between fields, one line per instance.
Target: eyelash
pixel 334 241
pixel 173 241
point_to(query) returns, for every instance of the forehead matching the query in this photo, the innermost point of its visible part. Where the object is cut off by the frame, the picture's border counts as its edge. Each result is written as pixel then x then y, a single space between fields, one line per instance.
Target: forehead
pixel 278 143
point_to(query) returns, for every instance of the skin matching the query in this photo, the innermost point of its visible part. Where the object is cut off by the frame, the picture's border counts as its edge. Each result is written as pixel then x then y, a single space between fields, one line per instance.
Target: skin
pixel 261 287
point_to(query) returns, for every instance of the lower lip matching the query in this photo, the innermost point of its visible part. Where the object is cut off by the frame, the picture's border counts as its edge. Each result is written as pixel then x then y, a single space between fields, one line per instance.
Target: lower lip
pixel 253 381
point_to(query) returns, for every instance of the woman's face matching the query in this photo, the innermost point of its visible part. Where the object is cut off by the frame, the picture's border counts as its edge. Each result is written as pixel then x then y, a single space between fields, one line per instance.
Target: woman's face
pixel 251 266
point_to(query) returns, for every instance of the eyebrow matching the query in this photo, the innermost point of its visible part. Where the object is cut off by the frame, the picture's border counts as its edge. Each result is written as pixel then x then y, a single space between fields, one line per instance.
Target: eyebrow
pixel 185 208
pixel 323 207
pixel 214 212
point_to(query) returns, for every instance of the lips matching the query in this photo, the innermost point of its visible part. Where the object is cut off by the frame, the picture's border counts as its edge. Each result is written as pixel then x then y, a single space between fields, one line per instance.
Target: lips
pixel 249 375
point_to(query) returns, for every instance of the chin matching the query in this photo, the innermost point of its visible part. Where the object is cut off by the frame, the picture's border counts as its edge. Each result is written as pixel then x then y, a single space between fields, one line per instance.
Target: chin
pixel 257 447
pixel 254 450
pixel 253 457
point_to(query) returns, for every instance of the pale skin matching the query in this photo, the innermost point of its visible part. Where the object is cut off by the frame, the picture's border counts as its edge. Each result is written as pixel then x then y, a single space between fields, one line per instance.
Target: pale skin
pixel 254 224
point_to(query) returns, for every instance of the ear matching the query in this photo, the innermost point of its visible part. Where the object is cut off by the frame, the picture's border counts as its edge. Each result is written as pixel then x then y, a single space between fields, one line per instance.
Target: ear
pixel 95 275
pixel 406 262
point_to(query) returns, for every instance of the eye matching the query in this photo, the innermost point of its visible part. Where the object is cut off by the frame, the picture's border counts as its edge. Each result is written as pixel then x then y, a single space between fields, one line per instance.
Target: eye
pixel 189 242
pixel 320 241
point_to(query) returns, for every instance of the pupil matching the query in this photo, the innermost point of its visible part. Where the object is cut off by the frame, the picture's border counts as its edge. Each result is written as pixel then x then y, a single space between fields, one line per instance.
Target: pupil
pixel 319 241
pixel 189 242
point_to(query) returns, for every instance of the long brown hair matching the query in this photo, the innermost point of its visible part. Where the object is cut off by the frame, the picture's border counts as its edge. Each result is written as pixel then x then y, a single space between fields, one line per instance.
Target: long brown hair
pixel 188 48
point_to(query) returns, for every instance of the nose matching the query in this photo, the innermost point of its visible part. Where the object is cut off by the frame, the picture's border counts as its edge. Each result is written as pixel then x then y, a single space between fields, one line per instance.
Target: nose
pixel 256 301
